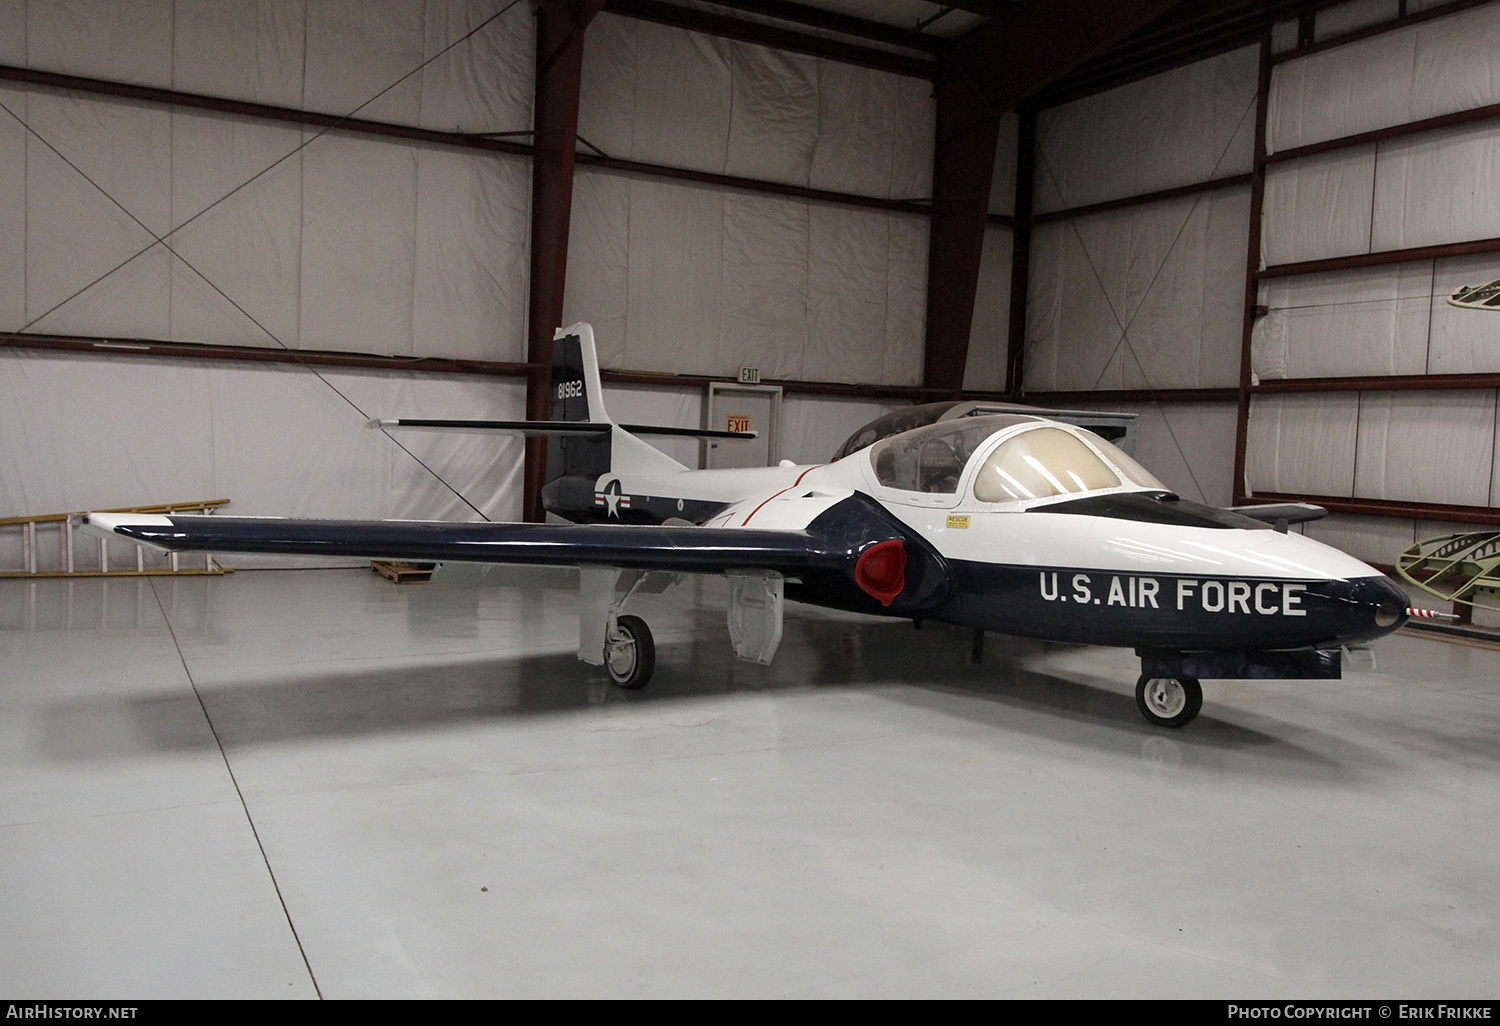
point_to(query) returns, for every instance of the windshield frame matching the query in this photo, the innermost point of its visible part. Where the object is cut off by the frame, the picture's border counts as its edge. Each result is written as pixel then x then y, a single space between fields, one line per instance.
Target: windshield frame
pixel 1098 446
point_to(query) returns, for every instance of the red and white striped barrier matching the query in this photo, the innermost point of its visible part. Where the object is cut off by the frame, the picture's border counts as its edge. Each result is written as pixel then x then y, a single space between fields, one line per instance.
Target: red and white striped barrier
pixel 1432 614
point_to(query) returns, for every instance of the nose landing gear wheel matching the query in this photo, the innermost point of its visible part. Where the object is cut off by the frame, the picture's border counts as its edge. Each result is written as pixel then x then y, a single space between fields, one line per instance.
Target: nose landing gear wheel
pixel 1168 702
pixel 629 653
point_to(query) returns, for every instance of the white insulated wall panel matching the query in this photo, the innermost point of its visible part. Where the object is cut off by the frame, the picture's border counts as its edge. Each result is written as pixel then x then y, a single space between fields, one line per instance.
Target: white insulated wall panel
pixel 352 243
pixel 989 333
pixel 1141 297
pixel 1188 446
pixel 676 256
pixel 485 83
pixel 764 282
pixel 75 233
pixel 1436 67
pixel 359 246
pixel 274 440
pixel 248 245
pixel 1402 446
pixel 1302 443
pixel 773 128
pixel 1318 207
pixel 473 220
pixel 598 276
pixel 906 299
pixel 373 245
pixel 13 144
pixel 660 407
pixel 813 427
pixel 331 56
pixel 124 41
pixel 354 48
pixel 246 49
pixel 1372 539
pixel 847 301
pixel 1437 187
pixel 663 95
pixel 1177 128
pixel 692 279
pixel 1371 320
pixel 1426 447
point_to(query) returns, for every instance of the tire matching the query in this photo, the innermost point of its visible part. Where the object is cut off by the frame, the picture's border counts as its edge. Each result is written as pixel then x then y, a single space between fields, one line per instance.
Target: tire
pixel 1168 702
pixel 630 656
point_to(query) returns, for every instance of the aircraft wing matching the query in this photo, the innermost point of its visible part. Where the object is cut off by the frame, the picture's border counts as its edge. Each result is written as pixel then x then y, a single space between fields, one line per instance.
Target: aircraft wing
pixel 855 554
pixel 698 549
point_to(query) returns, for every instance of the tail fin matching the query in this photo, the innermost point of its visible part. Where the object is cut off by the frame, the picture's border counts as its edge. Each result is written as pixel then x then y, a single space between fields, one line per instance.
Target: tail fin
pixel 576 392
pixel 578 395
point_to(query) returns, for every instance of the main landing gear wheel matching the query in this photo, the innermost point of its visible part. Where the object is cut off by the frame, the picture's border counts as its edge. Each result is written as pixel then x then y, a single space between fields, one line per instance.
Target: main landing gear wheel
pixel 629 653
pixel 1168 702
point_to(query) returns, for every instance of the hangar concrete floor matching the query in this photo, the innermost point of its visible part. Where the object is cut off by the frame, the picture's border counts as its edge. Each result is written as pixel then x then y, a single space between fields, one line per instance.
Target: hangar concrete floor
pixel 284 784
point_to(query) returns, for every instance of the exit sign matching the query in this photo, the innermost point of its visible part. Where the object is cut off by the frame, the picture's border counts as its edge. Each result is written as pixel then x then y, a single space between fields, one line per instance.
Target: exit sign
pixel 749 375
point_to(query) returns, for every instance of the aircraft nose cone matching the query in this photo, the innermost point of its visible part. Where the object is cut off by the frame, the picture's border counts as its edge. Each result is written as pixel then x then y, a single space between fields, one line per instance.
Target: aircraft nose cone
pixel 1379 604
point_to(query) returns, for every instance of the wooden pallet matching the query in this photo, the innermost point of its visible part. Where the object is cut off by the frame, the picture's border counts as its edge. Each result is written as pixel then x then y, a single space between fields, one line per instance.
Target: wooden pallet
pixel 403 573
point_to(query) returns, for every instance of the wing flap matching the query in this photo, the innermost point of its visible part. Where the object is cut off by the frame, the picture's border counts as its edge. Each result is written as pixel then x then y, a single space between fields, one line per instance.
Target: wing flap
pixel 558 427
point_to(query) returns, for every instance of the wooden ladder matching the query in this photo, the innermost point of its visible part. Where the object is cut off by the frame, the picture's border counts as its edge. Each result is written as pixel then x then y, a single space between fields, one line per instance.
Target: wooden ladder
pixel 68 566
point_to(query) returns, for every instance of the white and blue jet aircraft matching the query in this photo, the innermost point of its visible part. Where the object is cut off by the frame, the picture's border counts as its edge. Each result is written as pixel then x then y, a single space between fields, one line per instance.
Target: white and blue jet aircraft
pixel 1003 522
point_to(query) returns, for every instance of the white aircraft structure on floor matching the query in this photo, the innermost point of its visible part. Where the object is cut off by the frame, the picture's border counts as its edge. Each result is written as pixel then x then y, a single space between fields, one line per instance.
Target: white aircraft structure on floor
pixel 1004 522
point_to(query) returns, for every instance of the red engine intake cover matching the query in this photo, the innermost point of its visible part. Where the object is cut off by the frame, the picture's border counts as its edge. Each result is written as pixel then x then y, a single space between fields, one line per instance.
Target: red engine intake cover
pixel 881 570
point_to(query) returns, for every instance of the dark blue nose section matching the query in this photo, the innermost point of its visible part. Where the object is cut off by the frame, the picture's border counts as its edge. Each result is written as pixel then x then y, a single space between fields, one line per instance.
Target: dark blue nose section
pixel 1373 607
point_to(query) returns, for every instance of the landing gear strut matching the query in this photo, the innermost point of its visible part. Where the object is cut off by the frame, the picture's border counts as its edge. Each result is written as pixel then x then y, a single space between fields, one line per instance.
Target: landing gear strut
pixel 1168 701
pixel 630 652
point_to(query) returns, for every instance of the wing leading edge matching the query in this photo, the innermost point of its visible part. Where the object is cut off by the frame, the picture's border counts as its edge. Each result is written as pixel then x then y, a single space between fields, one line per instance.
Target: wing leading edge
pixel 702 549
pixel 853 556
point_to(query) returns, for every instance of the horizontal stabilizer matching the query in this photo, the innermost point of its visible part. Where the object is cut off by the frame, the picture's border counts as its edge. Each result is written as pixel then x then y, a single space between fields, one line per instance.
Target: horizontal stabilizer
pixel 1291 512
pixel 520 427
pixel 558 427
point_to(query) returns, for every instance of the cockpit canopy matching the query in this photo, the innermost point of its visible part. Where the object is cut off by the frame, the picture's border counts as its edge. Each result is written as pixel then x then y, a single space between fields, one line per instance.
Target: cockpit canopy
pixel 1037 462
pixel 1113 427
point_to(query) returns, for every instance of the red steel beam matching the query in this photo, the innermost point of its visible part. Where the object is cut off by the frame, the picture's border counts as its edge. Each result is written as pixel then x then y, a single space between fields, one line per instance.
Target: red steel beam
pixel 962 168
pixel 1212 185
pixel 1132 395
pixel 1020 252
pixel 916 393
pixel 1252 261
pixel 1380 383
pixel 261 111
pixel 908 206
pixel 988 71
pixel 1379 29
pixel 1380 257
pixel 834 21
pixel 1460 117
pixel 560 26
pixel 1391 507
pixel 134 347
pixel 697 20
pixel 387 130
